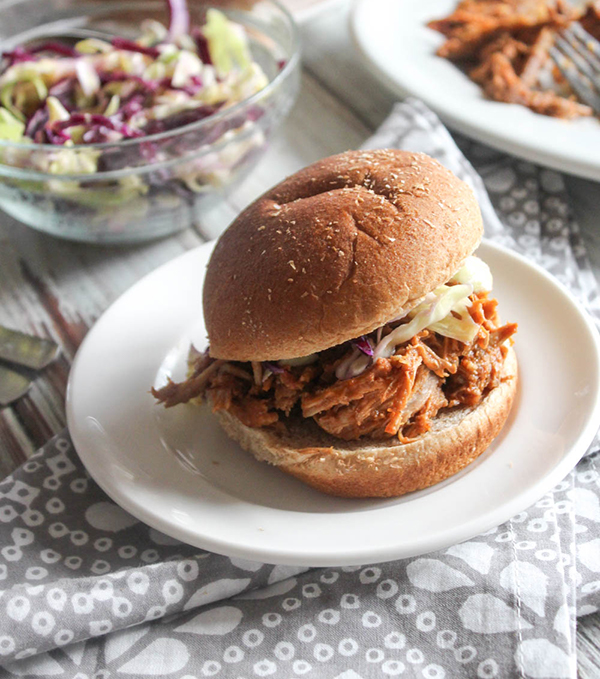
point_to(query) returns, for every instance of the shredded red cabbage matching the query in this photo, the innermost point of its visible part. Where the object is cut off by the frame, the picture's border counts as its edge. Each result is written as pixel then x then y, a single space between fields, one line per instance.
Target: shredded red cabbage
pixel 128 132
pixel 131 106
pixel 273 367
pixel 99 134
pixel 363 344
pixel 100 127
pixel 148 151
pixel 99 119
pixel 37 121
pixel 56 136
pixel 201 46
pixel 22 54
pixel 180 119
pixel 131 46
pixel 192 89
pixel 56 47
pixel 179 18
pixel 71 121
pixel 63 90
pixel 17 55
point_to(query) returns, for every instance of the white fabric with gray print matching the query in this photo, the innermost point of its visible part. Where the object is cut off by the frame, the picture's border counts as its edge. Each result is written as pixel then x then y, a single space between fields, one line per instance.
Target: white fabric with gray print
pixel 90 592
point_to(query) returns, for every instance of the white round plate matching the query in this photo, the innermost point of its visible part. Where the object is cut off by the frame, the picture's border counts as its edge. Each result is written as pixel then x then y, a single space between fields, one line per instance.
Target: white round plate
pixel 397 45
pixel 178 472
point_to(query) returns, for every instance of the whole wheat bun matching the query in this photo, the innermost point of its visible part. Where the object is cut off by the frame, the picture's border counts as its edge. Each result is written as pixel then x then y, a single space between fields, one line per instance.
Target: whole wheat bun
pixel 367 468
pixel 335 251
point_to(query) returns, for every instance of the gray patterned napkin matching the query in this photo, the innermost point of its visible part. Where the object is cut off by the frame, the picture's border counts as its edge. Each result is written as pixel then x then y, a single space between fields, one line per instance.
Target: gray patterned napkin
pixel 91 593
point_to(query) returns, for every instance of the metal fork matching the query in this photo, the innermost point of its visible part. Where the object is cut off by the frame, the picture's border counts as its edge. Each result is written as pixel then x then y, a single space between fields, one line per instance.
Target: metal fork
pixel 18 348
pixel 577 55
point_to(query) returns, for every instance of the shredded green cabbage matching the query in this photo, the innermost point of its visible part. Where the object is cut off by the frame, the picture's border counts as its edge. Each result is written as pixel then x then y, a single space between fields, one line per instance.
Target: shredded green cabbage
pixel 11 128
pixel 88 77
pixel 226 43
pixel 6 98
pixel 73 161
pixel 93 46
pixel 463 329
pixel 126 190
pixel 435 311
pixel 56 111
pixel 187 65
pixel 113 105
pixel 152 32
pixel 435 307
pixel 475 272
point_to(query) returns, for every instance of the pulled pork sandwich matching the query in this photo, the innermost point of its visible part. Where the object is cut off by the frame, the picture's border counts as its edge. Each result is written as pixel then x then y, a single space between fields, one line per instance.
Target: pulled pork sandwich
pixel 353 339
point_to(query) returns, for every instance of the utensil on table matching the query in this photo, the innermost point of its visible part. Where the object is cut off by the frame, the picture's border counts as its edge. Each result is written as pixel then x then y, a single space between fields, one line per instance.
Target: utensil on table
pixel 13 385
pixel 24 350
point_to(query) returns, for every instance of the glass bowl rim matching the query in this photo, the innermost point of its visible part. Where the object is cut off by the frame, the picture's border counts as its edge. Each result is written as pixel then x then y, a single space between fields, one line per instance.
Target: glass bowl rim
pixel 281 76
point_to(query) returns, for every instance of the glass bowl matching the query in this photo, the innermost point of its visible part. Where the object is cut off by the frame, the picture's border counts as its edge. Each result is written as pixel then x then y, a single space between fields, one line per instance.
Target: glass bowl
pixel 155 185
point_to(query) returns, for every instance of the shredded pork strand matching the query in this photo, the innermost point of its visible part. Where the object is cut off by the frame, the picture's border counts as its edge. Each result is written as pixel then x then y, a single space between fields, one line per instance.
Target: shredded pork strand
pixel 395 396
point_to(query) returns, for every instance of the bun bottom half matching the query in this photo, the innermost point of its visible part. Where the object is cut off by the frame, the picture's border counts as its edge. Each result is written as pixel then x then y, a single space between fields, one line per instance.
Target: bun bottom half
pixel 387 468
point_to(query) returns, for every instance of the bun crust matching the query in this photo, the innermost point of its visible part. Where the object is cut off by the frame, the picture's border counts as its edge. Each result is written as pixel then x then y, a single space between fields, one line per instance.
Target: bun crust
pixel 335 251
pixel 383 468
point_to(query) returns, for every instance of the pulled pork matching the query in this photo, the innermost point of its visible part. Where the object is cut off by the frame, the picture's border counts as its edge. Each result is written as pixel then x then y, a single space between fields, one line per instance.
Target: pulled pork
pixel 396 396
pixel 504 46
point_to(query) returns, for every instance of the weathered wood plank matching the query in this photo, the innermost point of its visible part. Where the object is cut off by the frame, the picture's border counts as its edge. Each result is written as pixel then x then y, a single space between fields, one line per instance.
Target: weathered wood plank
pixel 588 647
pixel 15 442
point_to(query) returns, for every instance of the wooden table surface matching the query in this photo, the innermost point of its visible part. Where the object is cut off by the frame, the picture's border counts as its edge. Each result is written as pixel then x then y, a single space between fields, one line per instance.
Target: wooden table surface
pixel 58 289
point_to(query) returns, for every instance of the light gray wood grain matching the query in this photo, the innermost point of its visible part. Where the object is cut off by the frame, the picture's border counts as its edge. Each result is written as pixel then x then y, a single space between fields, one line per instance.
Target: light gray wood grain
pixel 588 642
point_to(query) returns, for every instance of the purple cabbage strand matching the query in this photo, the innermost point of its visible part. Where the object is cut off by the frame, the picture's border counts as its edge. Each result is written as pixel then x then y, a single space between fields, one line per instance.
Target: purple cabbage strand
pixel 180 119
pixel 17 55
pixel 56 47
pixel 363 344
pixel 131 46
pixel 36 122
pixel 179 18
pixel 202 46
pixel 273 367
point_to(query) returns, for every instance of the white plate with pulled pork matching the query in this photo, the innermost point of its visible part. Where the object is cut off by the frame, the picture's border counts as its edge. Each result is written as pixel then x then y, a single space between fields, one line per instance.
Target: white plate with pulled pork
pixel 177 470
pixel 484 67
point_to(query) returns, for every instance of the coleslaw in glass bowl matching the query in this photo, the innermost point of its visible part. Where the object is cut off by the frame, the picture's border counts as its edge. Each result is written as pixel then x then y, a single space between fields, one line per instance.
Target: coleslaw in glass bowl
pixel 122 121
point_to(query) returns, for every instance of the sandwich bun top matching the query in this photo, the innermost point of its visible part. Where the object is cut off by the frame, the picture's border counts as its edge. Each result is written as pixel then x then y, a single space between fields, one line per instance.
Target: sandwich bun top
pixel 335 251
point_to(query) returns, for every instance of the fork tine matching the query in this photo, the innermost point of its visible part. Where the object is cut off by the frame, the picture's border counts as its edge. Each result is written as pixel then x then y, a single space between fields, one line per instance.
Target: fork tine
pixel 574 78
pixel 591 44
pixel 579 62
pixel 590 60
